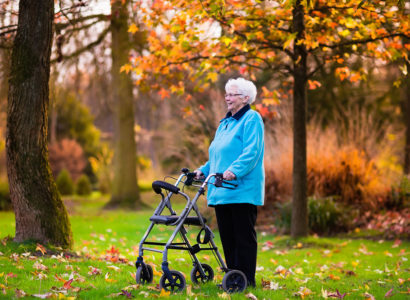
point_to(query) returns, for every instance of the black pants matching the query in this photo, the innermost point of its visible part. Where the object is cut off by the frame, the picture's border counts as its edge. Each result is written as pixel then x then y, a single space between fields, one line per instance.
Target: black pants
pixel 236 223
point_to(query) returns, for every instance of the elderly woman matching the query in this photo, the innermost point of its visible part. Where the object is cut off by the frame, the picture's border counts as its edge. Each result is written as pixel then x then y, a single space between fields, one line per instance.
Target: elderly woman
pixel 237 152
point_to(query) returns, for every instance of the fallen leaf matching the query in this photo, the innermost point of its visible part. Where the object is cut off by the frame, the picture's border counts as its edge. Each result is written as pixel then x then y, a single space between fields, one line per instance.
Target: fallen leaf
pixel 67 284
pixel 107 275
pixel 39 266
pixel 303 292
pixel 251 296
pixel 43 296
pixel 387 253
pixel 164 293
pixel 224 295
pixel 337 294
pixel 369 296
pixel 396 244
pixel 350 273
pixel 389 293
pixel 126 294
pixel 334 277
pixel 41 248
pixel 20 293
pixel 189 290
pixel 115 268
pixel 270 285
pixel 93 271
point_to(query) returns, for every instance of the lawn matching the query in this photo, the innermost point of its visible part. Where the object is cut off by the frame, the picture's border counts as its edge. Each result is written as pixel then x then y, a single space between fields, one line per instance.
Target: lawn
pixel 106 247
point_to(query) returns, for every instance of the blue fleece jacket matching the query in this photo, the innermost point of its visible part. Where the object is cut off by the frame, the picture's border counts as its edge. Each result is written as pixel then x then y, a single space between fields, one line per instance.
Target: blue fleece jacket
pixel 238 146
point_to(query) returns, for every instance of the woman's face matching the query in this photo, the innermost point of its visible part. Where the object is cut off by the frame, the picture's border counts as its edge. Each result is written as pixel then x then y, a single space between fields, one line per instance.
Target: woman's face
pixel 235 100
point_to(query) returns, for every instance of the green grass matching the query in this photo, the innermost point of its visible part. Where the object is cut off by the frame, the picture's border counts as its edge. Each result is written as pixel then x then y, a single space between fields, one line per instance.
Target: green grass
pixel 350 265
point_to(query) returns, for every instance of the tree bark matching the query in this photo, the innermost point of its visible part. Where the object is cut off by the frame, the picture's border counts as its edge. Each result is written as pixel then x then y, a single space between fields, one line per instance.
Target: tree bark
pixel 299 225
pixel 406 95
pixel 125 191
pixel 40 213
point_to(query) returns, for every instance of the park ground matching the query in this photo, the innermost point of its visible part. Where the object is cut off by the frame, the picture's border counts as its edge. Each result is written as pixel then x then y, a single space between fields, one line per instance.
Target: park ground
pixel 359 265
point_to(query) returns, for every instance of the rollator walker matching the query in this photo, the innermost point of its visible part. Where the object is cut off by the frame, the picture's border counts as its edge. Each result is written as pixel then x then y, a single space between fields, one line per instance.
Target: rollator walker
pixel 172 280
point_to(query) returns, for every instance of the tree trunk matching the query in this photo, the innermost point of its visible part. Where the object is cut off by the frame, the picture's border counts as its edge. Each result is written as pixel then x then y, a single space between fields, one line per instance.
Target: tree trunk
pixel 40 213
pixel 299 225
pixel 125 191
pixel 406 95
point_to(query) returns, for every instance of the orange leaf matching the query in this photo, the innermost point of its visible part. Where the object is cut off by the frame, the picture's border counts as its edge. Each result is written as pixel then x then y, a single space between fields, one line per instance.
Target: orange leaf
pixel 41 248
pixel 164 93
pixel 67 284
pixel 313 84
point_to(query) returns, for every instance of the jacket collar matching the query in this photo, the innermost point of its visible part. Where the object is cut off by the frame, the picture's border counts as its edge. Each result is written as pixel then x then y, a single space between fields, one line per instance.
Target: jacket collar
pixel 239 114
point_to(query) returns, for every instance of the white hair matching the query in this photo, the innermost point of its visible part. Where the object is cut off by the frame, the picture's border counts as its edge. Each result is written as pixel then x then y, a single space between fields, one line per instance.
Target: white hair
pixel 245 87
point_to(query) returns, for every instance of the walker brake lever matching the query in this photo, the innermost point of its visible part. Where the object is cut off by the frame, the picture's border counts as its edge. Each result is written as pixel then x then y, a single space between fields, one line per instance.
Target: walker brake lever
pixel 219 181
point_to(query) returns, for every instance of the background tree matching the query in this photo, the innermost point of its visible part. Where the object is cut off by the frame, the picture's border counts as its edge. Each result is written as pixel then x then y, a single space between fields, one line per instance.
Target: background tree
pixel 40 213
pixel 125 189
pixel 202 38
pixel 79 32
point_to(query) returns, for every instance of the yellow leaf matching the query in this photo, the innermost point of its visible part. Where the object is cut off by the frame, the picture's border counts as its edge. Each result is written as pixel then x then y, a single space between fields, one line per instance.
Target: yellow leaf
pixel 270 101
pixel 355 264
pixel 289 40
pixel 387 253
pixel 212 76
pixel 133 28
pixel 224 296
pixel 299 271
pixel 126 68
pixel 344 33
pixel 164 293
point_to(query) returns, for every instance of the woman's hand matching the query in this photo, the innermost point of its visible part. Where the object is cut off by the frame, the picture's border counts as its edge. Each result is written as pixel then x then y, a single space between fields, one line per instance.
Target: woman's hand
pixel 198 174
pixel 228 175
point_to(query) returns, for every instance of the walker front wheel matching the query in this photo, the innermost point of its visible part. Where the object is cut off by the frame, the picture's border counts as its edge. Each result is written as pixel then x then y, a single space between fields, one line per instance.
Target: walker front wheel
pixel 177 285
pixel 196 276
pixel 144 276
pixel 234 282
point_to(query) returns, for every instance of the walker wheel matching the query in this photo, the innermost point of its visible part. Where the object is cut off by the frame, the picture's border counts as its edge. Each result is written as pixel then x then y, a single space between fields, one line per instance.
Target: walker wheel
pixel 144 276
pixel 234 282
pixel 196 276
pixel 177 285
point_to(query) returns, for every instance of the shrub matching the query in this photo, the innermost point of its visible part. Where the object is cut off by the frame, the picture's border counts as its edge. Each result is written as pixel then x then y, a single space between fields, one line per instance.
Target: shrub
pixel 101 165
pixel 67 154
pixel 348 174
pixel 5 201
pixel 64 183
pixel 83 186
pixel 325 217
pixel 399 197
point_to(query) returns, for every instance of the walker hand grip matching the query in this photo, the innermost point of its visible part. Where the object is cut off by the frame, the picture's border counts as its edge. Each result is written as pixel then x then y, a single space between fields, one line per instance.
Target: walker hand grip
pixel 158 185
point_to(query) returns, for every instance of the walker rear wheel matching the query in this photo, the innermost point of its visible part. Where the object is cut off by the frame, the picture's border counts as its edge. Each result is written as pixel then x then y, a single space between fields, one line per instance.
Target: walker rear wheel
pixel 196 276
pixel 234 281
pixel 177 285
pixel 144 276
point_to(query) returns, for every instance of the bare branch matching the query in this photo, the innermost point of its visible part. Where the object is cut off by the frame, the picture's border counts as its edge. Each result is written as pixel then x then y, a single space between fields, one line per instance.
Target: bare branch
pixel 99 17
pixel 85 48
